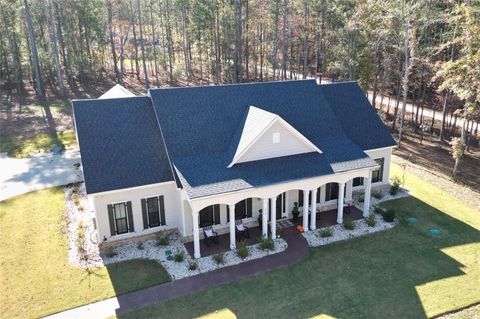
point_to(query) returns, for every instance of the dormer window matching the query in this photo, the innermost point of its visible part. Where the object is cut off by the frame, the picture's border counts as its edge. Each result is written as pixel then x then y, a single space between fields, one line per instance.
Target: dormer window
pixel 276 137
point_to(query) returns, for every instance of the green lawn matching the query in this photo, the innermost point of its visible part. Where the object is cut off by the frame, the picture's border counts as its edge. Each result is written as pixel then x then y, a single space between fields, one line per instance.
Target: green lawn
pixel 29 146
pixel 35 278
pixel 401 273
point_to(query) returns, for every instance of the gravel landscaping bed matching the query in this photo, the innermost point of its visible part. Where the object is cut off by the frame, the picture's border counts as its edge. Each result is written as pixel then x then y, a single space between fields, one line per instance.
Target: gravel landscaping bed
pixel 83 251
pixel 177 270
pixel 340 233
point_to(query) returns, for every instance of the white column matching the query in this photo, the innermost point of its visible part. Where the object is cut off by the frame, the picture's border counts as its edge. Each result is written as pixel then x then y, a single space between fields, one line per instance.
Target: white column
pixel 313 219
pixel 273 217
pixel 265 218
pixel 367 182
pixel 341 191
pixel 349 190
pixel 196 236
pixel 305 209
pixel 233 244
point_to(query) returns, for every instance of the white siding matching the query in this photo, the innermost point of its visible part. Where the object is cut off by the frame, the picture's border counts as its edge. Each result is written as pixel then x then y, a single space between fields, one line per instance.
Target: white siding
pixel 264 147
pixel 172 202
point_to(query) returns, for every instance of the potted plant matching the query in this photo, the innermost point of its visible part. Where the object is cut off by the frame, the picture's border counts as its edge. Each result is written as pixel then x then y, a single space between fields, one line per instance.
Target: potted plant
pixel 295 211
pixel 260 216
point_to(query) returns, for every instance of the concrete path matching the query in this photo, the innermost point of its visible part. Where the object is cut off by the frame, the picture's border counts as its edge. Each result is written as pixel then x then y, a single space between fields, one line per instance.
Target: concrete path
pixel 19 176
pixel 297 249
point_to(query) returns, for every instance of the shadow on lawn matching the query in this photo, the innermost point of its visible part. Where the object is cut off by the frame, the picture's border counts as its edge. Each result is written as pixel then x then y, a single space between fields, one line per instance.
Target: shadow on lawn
pixel 372 277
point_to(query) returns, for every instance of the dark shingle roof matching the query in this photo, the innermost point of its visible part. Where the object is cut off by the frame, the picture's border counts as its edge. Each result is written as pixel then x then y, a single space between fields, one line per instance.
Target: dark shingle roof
pixel 358 118
pixel 121 144
pixel 201 130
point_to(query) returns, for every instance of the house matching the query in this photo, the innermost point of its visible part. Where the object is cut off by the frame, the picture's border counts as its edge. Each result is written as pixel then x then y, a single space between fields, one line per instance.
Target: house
pixel 192 157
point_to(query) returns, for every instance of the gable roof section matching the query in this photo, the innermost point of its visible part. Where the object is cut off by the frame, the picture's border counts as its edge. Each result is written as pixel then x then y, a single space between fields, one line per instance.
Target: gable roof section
pixel 358 118
pixel 256 125
pixel 121 144
pixel 200 126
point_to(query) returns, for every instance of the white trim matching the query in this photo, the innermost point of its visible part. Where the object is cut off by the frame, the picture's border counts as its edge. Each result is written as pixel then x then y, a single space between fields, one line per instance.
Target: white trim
pixel 381 148
pixel 131 188
pixel 291 129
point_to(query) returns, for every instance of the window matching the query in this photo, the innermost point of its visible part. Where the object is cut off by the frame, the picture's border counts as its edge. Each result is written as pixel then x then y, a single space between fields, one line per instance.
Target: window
pixel 357 181
pixel 331 191
pixel 210 216
pixel 243 209
pixel 276 138
pixel 120 214
pixel 153 211
pixel 377 174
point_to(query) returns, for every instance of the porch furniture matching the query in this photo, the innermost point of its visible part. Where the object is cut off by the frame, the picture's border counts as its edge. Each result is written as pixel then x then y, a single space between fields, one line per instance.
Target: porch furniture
pixel 241 229
pixel 210 235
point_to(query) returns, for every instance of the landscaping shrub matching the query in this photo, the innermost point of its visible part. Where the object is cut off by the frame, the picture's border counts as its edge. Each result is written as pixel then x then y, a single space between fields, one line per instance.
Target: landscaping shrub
pixel 110 252
pixel 81 238
pixel 192 265
pixel 388 215
pixel 266 244
pixel 140 245
pixel 179 256
pixel 76 199
pixel 325 232
pixel 278 232
pixel 163 239
pixel 396 182
pixel 371 221
pixel 218 258
pixel 242 249
pixel 377 194
pixel 379 210
pixel 349 224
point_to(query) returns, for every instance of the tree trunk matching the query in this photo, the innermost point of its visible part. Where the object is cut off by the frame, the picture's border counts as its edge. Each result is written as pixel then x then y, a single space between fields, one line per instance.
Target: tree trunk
pixel 135 44
pixel 154 44
pixel 275 40
pixel 284 44
pixel 112 42
pixel 142 45
pixel 305 40
pixel 53 42
pixel 33 48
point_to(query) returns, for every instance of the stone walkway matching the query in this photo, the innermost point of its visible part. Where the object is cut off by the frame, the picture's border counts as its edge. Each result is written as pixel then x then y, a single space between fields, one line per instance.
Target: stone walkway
pixel 296 251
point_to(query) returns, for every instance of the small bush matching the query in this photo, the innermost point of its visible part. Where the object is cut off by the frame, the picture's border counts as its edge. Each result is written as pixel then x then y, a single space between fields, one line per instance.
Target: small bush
pixel 325 232
pixel 349 224
pixel 110 252
pixel 278 232
pixel 389 215
pixel 371 221
pixel 192 265
pixel 266 244
pixel 163 239
pixel 242 249
pixel 396 182
pixel 179 256
pixel 379 210
pixel 377 194
pixel 218 258
pixel 76 199
pixel 81 238
pixel 140 245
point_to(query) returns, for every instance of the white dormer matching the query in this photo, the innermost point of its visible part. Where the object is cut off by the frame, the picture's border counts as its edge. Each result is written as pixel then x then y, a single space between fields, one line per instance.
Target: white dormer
pixel 266 135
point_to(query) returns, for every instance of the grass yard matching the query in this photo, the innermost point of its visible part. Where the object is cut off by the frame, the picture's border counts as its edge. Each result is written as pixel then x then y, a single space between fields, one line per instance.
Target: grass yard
pixel 35 278
pixel 401 273
pixel 29 146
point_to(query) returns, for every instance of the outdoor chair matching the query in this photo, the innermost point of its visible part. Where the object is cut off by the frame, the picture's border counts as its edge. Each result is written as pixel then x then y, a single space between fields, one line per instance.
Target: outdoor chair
pixel 209 235
pixel 241 229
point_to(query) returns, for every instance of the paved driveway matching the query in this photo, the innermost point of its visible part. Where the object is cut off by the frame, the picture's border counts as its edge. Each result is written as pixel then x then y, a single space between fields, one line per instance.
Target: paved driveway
pixel 19 176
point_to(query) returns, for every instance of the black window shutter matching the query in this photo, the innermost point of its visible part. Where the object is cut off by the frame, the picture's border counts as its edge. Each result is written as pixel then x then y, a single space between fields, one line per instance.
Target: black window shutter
pixel 249 207
pixel 144 213
pixel 111 219
pixel 161 203
pixel 216 211
pixel 300 198
pixel 130 217
pixel 318 195
pixel 228 213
